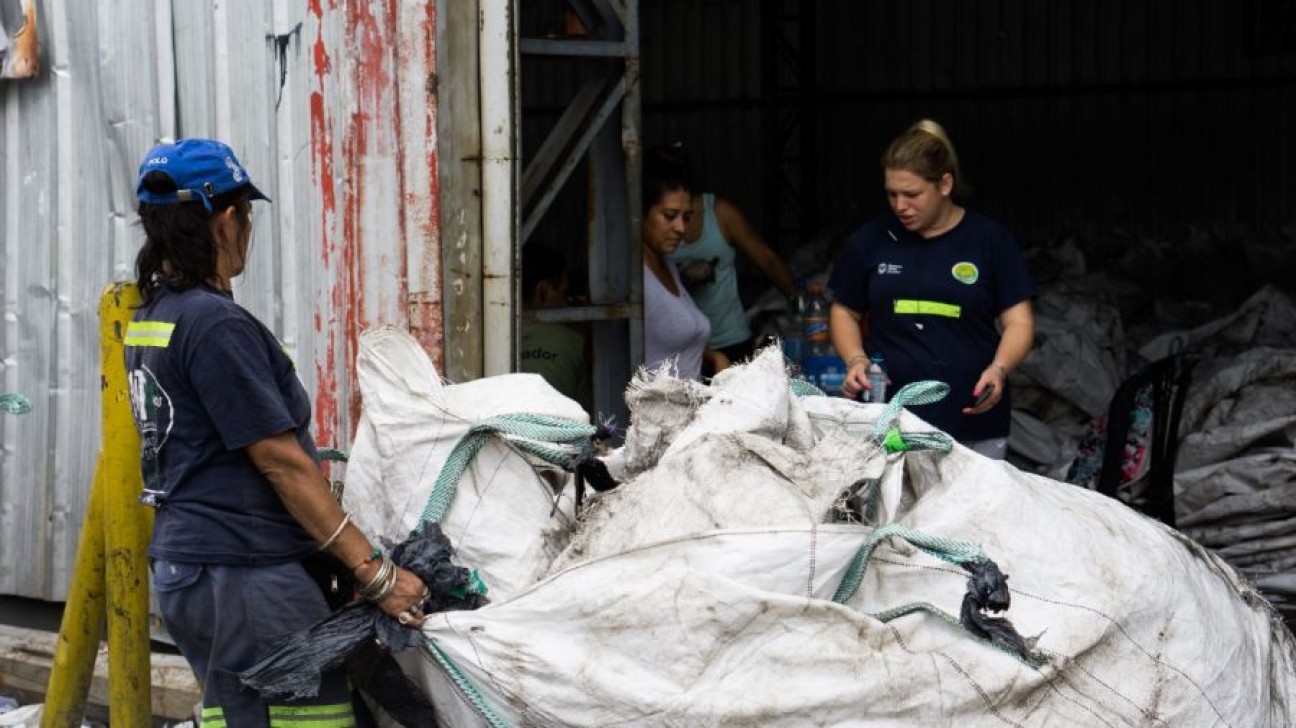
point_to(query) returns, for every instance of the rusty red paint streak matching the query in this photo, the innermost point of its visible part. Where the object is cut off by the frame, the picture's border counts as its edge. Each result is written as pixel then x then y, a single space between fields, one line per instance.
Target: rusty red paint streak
pixel 326 405
pixel 370 50
pixel 432 323
pixel 402 219
pixel 349 298
pixel 420 224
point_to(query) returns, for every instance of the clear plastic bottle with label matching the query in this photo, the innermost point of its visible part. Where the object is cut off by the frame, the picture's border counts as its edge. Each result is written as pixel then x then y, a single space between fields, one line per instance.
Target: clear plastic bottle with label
pixel 816 322
pixel 823 367
pixel 877 379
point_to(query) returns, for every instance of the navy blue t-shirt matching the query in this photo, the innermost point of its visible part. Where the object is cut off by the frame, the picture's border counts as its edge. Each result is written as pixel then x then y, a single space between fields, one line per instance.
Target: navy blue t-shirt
pixel 933 303
pixel 207 380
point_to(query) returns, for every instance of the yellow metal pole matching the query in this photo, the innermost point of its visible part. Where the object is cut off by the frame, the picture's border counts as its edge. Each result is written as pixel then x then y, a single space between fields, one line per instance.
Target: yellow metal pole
pixel 127 525
pixel 110 577
pixel 83 618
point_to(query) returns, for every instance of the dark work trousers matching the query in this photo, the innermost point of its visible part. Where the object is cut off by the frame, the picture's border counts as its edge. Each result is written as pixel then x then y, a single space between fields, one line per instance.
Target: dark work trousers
pixel 223 618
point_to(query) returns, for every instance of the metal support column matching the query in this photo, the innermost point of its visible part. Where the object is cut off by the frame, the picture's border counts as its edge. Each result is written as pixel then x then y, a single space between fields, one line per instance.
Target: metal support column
pixel 591 128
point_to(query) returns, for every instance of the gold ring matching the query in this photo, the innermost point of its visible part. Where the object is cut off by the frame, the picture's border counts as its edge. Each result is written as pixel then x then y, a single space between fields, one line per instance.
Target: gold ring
pixel 404 618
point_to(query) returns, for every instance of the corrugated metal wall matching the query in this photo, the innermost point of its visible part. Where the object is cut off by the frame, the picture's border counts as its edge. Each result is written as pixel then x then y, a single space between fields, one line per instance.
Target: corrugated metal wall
pixel 331 108
pixel 1142 112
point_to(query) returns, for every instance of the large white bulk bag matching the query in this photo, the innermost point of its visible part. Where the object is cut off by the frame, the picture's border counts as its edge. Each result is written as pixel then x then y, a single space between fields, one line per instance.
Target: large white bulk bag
pixel 505 519
pixel 713 589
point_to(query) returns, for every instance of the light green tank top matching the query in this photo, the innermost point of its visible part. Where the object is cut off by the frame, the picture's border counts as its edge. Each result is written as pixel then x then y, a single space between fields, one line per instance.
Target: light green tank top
pixel 717 299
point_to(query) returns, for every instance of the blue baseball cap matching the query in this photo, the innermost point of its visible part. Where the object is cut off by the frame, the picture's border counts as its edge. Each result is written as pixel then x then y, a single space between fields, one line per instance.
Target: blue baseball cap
pixel 201 170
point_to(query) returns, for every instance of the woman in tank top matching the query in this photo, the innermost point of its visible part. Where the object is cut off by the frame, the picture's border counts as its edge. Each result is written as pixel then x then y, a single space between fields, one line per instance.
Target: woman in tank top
pixel 706 259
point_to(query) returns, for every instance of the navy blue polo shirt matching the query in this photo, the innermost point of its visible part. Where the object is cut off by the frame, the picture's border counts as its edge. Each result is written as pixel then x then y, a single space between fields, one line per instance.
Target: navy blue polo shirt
pixel 933 305
pixel 207 380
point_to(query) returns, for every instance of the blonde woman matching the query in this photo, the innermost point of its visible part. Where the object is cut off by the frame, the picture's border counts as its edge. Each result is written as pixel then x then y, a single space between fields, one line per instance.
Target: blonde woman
pixel 946 290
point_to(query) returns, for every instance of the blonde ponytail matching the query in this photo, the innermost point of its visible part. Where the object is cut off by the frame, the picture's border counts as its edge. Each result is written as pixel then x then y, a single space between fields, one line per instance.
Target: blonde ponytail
pixel 925 150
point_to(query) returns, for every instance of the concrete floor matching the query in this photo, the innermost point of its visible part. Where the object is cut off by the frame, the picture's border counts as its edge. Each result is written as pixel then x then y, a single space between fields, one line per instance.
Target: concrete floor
pixel 34 622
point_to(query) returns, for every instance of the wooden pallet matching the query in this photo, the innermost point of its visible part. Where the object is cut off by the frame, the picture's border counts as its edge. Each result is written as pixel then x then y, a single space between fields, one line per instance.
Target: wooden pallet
pixel 26 656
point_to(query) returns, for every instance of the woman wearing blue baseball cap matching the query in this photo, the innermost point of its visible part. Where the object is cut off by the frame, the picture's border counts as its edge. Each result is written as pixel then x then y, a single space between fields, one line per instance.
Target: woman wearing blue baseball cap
pixel 227 455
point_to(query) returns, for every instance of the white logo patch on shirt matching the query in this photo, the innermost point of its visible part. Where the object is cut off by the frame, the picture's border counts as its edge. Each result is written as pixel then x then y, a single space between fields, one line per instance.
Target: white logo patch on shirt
pixel 889 269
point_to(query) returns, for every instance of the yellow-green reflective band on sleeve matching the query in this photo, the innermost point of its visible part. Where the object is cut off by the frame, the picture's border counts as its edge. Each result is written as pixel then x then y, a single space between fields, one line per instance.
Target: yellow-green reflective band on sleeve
pixel 149 333
pixel 930 308
pixel 337 715
pixel 213 717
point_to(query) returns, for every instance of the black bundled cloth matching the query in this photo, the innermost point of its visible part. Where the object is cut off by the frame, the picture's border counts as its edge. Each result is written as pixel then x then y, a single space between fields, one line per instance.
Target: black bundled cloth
pixel 987 591
pixel 292 668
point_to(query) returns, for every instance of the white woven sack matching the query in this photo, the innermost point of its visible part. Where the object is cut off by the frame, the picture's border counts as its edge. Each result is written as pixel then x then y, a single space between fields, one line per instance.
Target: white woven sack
pixel 502 520
pixel 716 607
pixel 1138 624
pixel 749 438
pixel 735 627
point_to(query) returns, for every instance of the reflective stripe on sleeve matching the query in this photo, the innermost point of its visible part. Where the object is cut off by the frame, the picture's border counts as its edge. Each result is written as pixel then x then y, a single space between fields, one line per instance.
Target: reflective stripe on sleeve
pixel 338 715
pixel 149 333
pixel 930 308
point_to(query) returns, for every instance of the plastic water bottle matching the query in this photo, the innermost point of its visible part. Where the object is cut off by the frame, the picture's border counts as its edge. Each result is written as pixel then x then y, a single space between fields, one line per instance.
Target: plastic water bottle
pixel 818 342
pixel 792 325
pixel 823 368
pixel 877 379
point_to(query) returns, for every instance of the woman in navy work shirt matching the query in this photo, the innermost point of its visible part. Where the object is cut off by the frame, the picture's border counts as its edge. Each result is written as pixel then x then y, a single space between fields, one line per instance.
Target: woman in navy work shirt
pixel 935 279
pixel 227 455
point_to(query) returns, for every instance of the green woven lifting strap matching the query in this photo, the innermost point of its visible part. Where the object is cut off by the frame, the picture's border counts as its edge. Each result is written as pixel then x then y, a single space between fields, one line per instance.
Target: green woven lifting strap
pixel 555 440
pixel 14 404
pixel 803 388
pixel 465 685
pixel 947 549
pixel 887 434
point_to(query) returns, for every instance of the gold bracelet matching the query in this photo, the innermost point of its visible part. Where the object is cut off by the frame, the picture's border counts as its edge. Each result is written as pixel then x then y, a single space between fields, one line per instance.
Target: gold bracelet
pixel 346 518
pixel 1002 369
pixel 858 357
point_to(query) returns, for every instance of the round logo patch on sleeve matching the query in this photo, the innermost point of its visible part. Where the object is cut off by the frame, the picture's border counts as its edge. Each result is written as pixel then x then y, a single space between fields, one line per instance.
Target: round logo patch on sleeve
pixel 965 272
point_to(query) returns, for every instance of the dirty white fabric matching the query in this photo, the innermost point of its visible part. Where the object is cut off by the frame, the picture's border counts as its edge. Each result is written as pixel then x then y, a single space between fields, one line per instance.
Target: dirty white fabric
pixel 700 591
pixel 410 424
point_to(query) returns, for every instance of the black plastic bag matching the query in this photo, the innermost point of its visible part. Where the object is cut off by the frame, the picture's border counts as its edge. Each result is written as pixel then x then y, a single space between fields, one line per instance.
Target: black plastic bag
pixel 292 667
